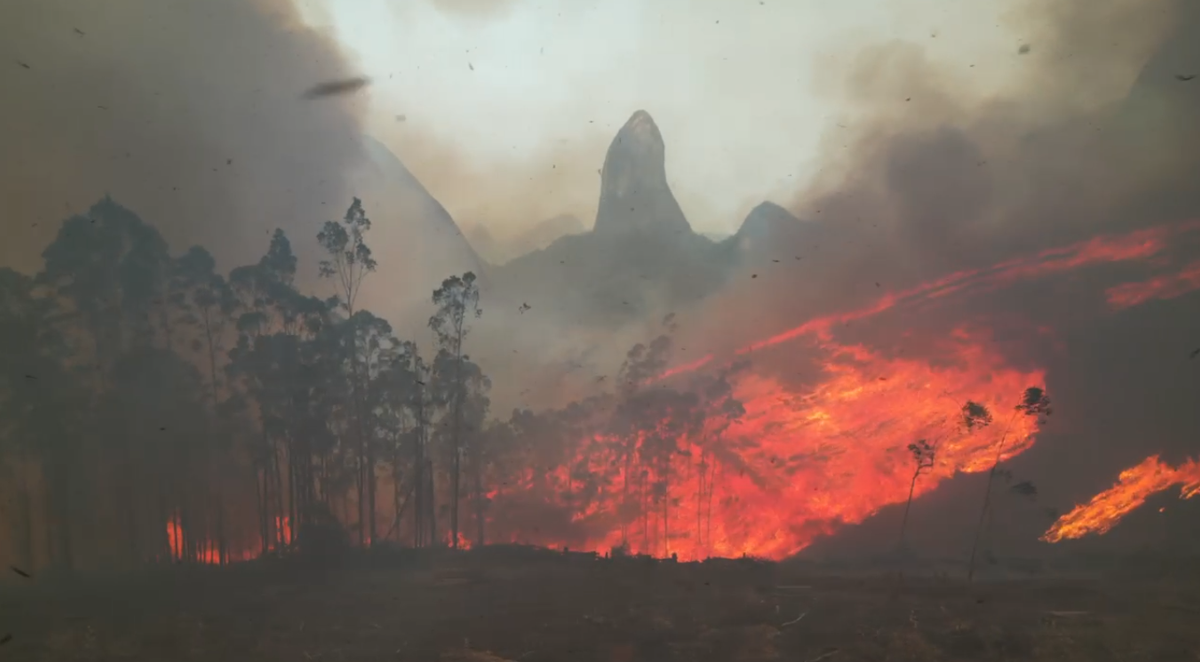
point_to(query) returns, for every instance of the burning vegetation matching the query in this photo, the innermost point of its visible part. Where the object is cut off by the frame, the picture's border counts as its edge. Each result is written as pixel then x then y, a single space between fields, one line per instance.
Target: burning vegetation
pixel 215 418
pixel 1131 490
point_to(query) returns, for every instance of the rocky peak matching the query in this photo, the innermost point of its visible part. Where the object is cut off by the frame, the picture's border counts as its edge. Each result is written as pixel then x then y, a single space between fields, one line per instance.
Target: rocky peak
pixel 634 194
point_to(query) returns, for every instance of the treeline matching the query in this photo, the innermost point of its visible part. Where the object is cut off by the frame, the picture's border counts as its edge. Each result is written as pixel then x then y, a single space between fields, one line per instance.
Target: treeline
pixel 152 408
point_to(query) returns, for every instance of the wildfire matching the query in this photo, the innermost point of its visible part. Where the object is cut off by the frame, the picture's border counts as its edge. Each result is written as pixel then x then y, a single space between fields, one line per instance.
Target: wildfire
pixel 208 551
pixel 801 461
pixel 1133 487
pixel 1138 245
pixel 1167 286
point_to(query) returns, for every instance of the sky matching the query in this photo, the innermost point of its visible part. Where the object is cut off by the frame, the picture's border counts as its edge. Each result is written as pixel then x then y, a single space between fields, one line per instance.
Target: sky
pixel 745 92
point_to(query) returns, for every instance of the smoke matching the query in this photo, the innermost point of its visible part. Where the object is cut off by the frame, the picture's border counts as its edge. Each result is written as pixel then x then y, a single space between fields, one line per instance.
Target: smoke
pixel 188 113
pixel 927 180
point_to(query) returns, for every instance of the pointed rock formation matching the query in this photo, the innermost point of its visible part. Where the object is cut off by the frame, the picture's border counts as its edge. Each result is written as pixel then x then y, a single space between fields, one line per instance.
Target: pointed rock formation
pixel 634 194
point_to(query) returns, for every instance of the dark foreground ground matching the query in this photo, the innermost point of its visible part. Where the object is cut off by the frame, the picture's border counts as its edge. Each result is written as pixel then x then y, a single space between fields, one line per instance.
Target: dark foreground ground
pixel 537 607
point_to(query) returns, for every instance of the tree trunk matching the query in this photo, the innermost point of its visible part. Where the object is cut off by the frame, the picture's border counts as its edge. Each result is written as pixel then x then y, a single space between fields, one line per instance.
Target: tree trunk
pixel 904 522
pixel 479 504
pixel 433 539
pixel 460 394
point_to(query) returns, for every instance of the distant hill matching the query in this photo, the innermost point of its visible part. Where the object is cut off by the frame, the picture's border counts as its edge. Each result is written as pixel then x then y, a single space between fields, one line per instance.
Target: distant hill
pixel 416 241
pixel 640 255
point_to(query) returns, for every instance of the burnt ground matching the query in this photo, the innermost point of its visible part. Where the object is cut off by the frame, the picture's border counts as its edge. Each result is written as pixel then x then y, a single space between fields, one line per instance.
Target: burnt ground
pixel 530 606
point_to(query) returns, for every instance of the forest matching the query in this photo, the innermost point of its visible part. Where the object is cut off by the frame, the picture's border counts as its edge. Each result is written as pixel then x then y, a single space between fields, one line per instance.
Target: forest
pixel 155 409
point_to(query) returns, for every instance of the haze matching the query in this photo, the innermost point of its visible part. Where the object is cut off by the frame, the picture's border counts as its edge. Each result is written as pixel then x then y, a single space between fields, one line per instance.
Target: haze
pixel 527 94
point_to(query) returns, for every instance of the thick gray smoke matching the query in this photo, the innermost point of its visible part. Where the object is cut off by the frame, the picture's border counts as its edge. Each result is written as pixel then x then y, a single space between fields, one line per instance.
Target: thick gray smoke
pixel 189 113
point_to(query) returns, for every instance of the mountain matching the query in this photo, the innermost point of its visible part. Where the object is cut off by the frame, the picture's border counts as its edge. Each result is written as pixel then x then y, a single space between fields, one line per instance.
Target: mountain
pixel 634 194
pixel 541 235
pixel 415 240
pixel 640 255
pixel 547 232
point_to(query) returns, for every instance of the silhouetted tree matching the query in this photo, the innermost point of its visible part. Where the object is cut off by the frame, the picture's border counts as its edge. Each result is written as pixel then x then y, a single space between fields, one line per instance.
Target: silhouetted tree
pixel 923 454
pixel 457 301
pixel 1034 402
pixel 349 263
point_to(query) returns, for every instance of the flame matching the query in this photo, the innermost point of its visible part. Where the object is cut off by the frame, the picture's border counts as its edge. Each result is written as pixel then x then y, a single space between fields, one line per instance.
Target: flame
pixel 208 551
pixel 1134 485
pixel 799 463
pixel 1166 286
pixel 1105 249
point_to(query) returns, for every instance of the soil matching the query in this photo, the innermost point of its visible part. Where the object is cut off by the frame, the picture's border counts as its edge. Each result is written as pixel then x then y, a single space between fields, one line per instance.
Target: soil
pixel 500 604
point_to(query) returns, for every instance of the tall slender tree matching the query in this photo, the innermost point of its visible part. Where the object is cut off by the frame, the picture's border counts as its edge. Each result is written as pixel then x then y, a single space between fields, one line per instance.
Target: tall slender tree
pixel 349 263
pixel 457 302
pixel 1034 402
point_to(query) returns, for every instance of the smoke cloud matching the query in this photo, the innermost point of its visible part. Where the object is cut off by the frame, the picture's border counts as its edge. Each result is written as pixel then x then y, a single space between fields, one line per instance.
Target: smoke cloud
pixel 188 113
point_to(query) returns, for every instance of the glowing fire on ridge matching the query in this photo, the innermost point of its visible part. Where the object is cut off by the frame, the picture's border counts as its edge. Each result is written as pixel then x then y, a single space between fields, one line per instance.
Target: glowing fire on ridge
pixel 1166 286
pixel 1137 245
pixel 1133 487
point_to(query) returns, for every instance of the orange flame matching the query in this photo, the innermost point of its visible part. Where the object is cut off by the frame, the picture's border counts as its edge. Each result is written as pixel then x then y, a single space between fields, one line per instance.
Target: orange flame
pixel 1133 487
pixel 1137 245
pixel 800 462
pixel 1166 286
pixel 208 551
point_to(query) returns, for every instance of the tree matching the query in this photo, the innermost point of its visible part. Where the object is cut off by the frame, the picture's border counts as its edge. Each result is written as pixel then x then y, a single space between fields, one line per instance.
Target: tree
pixel 923 454
pixel 349 263
pixel 1034 402
pixel 457 301
pixel 39 414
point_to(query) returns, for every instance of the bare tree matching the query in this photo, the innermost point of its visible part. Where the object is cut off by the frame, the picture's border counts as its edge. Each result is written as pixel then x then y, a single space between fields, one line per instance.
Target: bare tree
pixel 924 455
pixel 1034 402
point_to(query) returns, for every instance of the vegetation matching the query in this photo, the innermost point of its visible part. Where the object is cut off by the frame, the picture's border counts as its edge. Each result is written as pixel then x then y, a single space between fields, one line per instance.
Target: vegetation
pixel 148 399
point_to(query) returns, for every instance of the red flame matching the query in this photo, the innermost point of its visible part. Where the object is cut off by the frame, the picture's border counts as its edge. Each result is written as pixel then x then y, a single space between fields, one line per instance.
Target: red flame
pixel 801 461
pixel 208 551
pixel 1138 245
pixel 1133 487
pixel 1168 286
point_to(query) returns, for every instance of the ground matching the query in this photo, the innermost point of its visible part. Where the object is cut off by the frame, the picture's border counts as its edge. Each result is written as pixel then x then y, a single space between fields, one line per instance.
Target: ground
pixel 494 605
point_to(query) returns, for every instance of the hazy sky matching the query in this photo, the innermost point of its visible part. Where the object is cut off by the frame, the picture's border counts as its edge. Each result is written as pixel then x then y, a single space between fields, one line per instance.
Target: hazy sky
pixel 532 90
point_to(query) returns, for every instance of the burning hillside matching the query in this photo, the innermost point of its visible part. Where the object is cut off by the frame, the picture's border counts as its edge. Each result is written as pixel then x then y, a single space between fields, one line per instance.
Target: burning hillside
pixel 798 461
pixel 1133 487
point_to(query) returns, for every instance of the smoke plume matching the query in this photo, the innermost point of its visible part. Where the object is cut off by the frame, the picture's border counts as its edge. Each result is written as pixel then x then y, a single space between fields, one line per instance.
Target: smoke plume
pixel 188 113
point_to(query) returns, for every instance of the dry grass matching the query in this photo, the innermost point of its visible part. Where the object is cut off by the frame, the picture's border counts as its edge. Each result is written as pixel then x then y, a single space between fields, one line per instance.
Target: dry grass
pixel 529 607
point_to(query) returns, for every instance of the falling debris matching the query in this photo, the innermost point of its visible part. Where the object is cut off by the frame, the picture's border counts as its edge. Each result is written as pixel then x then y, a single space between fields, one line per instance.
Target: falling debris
pixel 78 31
pixel 1023 50
pixel 5 639
pixel 1195 353
pixel 24 65
pixel 523 308
pixel 336 87
pixel 21 572
pixel 402 118
pixel 471 66
pixel 1185 77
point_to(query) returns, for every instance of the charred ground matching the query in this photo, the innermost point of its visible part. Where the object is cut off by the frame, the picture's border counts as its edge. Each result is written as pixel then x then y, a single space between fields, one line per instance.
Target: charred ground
pixel 537 606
